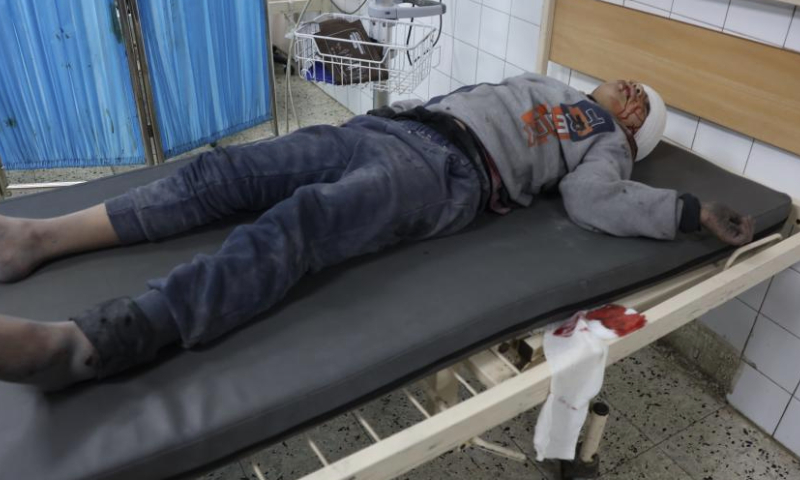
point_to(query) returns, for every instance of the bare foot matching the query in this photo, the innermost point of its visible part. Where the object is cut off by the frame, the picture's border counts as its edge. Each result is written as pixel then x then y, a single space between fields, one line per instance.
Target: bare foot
pixel 20 249
pixel 50 356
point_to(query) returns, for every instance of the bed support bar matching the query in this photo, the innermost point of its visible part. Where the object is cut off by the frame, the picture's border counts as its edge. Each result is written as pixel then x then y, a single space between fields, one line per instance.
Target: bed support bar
pixel 451 424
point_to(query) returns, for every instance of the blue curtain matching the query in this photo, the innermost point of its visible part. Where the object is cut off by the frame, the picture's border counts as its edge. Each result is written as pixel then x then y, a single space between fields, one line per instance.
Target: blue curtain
pixel 208 68
pixel 65 91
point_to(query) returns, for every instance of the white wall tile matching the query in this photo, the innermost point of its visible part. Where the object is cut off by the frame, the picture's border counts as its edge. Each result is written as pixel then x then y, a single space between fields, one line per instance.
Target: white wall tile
pixel 711 12
pixel 788 432
pixel 490 68
pixel 732 321
pixel 354 99
pixel 366 101
pixel 455 84
pixel 765 21
pixel 646 8
pixel 468 22
pixel 449 18
pixel 775 353
pixel 422 90
pixel 445 55
pixel 662 4
pixel 494 32
pixel 440 84
pixel 528 10
pixel 755 296
pixel 681 127
pixel 559 72
pixel 523 44
pixel 793 40
pixel 512 71
pixel 782 304
pixel 722 146
pixel 775 168
pixel 340 94
pixel 465 62
pixel 758 398
pixel 501 5
pixel 697 23
pixel 583 82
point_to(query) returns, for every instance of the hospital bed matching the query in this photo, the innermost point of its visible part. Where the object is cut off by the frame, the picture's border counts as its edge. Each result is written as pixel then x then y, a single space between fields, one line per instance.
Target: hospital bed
pixel 351 333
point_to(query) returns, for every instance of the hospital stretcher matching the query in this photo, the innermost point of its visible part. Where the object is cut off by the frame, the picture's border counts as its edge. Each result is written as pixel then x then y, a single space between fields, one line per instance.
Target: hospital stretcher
pixel 353 332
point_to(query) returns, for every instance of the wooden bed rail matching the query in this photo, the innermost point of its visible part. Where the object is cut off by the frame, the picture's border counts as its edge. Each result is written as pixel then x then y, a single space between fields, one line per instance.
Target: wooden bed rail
pixel 708 287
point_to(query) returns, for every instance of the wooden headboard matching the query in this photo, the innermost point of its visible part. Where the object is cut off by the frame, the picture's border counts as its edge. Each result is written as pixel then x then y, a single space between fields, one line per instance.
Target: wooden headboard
pixel 746 86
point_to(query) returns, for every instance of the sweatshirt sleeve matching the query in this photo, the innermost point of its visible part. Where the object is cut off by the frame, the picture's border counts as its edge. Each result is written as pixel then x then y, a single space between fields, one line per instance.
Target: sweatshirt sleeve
pixel 598 196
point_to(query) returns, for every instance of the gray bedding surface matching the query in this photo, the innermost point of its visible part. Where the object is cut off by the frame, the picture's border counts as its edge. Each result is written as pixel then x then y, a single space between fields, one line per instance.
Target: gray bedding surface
pixel 341 337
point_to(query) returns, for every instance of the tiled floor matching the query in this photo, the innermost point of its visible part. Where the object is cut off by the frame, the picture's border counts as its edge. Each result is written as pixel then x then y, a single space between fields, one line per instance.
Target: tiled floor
pixel 667 422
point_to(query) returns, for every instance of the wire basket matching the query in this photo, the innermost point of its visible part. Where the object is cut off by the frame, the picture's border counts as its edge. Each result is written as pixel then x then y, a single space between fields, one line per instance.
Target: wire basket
pixel 404 58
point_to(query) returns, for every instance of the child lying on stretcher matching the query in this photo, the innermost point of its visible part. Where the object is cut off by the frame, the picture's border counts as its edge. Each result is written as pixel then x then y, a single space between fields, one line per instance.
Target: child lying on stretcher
pixel 404 173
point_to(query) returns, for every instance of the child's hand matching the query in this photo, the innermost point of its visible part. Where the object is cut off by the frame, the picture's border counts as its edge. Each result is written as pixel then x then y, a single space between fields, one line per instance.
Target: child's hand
pixel 728 225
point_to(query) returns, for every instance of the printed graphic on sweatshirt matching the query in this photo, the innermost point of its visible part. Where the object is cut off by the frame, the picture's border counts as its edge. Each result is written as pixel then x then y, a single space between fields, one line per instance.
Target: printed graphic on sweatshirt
pixel 566 122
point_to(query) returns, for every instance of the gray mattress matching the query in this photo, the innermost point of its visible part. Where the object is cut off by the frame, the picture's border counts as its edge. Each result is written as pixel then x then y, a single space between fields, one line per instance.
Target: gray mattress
pixel 342 336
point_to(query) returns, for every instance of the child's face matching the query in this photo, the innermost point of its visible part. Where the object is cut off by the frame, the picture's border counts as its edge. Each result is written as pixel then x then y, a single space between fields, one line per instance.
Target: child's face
pixel 626 100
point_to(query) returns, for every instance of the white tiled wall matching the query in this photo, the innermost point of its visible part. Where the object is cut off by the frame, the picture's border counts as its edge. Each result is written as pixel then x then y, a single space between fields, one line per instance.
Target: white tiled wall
pixel 491 39
pixel 763 323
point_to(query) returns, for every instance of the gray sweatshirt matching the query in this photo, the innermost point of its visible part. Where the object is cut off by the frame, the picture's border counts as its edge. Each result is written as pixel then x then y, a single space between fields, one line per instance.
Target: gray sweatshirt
pixel 542 133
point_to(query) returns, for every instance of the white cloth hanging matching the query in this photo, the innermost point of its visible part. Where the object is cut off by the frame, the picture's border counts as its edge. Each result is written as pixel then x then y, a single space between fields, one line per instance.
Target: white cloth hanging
pixel 576 352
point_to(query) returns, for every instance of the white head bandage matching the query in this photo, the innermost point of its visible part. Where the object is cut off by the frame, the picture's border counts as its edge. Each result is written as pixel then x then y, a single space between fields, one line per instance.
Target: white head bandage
pixel 653 128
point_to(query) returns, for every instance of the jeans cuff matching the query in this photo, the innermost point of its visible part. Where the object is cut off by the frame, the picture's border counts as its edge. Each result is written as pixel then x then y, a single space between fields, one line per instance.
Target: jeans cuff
pixel 121 334
pixel 122 214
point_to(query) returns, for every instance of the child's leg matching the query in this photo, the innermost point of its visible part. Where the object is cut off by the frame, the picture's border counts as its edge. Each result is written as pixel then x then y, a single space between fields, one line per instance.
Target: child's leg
pixel 216 184
pixel 394 193
pixel 24 243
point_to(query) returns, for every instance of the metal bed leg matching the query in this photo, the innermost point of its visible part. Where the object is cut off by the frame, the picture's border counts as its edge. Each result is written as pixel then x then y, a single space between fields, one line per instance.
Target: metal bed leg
pixel 587 463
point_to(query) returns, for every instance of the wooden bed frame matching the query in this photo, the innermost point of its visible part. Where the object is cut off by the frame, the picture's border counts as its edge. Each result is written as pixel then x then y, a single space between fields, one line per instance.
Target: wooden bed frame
pixel 681 70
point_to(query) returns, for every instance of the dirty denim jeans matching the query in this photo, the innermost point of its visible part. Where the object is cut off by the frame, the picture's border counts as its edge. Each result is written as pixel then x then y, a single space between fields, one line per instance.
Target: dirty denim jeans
pixel 327 194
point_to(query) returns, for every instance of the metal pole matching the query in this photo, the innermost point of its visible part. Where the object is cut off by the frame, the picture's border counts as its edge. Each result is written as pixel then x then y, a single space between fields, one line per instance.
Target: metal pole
pixel 383 33
pixel 133 70
pixel 140 76
pixel 598 416
pixel 3 181
pixel 271 62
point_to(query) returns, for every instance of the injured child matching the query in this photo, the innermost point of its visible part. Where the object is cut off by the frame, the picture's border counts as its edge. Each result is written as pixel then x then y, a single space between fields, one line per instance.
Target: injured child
pixel 325 194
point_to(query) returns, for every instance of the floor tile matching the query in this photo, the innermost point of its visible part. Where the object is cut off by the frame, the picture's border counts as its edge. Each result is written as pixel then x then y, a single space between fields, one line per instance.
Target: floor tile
pixel 391 413
pixel 232 471
pixel 20 176
pixel 656 398
pixel 71 174
pixel 286 460
pixel 726 446
pixel 652 465
pixel 293 458
pixel 488 465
